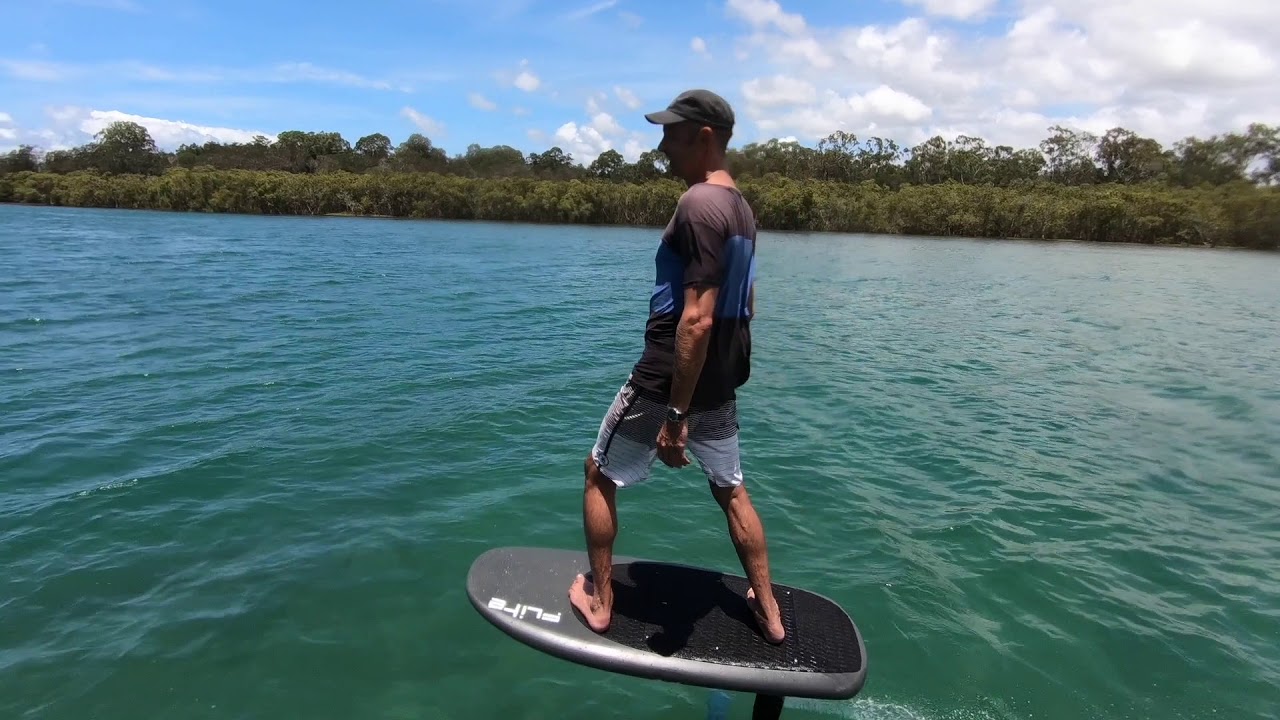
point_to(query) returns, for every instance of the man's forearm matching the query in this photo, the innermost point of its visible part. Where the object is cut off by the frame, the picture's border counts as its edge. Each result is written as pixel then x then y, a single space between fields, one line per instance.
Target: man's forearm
pixel 692 334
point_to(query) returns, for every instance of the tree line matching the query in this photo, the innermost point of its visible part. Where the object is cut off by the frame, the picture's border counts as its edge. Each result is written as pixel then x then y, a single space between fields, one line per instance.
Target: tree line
pixel 1118 187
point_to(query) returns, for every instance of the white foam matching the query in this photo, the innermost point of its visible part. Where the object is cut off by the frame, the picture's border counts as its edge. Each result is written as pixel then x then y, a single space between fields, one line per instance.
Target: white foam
pixel 871 709
pixel 109 486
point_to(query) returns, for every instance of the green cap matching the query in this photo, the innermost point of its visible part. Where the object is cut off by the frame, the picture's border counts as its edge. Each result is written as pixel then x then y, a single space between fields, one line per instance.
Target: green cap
pixel 700 106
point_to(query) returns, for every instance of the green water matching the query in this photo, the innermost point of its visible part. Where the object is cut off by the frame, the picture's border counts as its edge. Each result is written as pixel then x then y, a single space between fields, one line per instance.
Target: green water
pixel 245 463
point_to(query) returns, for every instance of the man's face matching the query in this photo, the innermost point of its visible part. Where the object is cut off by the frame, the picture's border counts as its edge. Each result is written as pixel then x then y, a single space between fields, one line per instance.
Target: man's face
pixel 679 144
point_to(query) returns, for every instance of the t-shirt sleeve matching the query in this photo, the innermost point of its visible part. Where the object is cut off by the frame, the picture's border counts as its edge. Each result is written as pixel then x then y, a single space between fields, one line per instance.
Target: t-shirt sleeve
pixel 701 242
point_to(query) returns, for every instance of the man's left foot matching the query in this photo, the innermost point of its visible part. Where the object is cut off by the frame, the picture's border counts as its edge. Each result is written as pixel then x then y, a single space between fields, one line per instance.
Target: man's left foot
pixel 583 597
pixel 772 629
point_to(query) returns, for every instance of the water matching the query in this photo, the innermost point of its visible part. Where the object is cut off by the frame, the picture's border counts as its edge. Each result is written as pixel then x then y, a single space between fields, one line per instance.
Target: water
pixel 245 463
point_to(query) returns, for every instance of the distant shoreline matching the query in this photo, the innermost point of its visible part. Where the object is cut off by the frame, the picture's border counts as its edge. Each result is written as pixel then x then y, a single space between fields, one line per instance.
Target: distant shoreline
pixel 351 216
pixel 1232 216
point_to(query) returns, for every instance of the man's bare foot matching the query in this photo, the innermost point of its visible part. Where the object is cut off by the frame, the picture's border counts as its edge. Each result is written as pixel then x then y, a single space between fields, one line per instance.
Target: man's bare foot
pixel 582 594
pixel 773 631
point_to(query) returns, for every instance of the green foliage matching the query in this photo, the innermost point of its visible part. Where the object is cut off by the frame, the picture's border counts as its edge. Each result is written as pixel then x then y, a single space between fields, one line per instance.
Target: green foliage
pixel 1240 215
pixel 1116 188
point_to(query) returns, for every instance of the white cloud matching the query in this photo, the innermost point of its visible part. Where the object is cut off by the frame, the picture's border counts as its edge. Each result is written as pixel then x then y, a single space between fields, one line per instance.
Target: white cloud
pixel 605 124
pixel 959 9
pixel 1164 70
pixel 765 13
pixel 525 79
pixel 168 133
pixel 583 142
pixel 481 102
pixel 885 103
pixel 882 106
pixel 8 134
pixel 309 72
pixel 778 91
pixel 152 73
pixel 586 140
pixel 909 55
pixel 37 70
pixel 70 126
pixel 288 72
pixel 634 147
pixel 589 10
pixel 627 97
pixel 426 124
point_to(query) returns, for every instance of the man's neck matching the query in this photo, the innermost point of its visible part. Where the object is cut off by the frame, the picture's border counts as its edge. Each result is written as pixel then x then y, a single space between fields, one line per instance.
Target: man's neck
pixel 720 176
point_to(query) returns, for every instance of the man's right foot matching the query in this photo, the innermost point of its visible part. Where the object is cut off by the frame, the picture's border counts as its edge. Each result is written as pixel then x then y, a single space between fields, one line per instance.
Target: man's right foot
pixel 583 597
pixel 770 623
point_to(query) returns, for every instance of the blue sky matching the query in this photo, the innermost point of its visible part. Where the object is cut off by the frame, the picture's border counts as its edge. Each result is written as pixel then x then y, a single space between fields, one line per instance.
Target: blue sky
pixel 580 73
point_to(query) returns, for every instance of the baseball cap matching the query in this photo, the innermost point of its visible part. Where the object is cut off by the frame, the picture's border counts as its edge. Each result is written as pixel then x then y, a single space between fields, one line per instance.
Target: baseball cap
pixel 701 106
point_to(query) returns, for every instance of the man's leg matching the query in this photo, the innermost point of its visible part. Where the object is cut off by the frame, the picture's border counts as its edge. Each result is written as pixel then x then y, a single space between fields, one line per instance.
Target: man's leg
pixel 747 533
pixel 623 455
pixel 594 599
pixel 713 440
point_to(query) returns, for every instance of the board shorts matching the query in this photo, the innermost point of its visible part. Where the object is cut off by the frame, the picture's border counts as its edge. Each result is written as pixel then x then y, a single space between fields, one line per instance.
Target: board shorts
pixel 627 443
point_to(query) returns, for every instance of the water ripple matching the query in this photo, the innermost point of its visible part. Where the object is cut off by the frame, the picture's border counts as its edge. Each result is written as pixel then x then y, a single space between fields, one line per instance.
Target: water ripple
pixel 245 463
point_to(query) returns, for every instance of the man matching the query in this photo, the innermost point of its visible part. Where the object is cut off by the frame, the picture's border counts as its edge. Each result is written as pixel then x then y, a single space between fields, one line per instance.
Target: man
pixel 681 392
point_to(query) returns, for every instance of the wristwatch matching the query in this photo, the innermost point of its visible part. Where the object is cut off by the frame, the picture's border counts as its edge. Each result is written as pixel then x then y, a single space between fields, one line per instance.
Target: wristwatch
pixel 675 417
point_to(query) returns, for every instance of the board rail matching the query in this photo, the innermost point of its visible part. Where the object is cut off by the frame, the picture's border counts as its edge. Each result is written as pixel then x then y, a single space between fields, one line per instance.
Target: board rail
pixel 656 630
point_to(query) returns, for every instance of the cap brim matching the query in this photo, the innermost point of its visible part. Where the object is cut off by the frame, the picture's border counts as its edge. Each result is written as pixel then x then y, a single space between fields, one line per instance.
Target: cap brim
pixel 663 117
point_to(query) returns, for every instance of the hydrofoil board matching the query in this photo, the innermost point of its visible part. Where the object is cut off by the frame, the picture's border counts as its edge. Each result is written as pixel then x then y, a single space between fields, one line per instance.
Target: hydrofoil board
pixel 671 622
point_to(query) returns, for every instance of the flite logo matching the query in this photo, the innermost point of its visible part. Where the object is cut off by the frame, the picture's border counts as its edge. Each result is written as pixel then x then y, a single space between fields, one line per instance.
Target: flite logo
pixel 521 611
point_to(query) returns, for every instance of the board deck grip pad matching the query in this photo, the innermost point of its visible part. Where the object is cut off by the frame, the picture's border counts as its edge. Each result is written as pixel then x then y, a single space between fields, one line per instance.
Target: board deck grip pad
pixel 703 615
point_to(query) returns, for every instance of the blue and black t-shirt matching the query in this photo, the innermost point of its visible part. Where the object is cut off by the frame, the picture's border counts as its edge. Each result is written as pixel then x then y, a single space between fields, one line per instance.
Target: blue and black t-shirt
pixel 710 241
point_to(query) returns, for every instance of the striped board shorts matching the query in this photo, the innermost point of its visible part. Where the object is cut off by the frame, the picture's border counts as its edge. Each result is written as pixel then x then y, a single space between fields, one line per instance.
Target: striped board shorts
pixel 627 443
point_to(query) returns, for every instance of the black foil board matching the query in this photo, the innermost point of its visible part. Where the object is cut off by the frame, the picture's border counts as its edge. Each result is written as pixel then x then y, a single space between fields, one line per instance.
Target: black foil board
pixel 671 622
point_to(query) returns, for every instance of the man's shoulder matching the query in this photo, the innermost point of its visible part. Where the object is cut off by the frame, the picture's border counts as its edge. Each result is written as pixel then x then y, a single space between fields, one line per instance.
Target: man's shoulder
pixel 711 204
pixel 704 193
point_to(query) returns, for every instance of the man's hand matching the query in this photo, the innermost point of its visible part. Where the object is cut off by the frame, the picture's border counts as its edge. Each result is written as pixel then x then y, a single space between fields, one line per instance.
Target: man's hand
pixel 671 443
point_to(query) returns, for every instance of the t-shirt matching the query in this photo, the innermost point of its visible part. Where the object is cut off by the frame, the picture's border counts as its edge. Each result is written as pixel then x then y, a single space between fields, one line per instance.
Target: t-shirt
pixel 710 240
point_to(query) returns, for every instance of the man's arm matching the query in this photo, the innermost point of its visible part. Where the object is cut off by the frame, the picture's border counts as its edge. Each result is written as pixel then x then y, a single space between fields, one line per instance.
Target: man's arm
pixel 691 343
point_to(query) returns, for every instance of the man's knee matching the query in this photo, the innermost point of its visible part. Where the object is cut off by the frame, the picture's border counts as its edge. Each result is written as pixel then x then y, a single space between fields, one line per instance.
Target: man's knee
pixel 594 476
pixel 726 494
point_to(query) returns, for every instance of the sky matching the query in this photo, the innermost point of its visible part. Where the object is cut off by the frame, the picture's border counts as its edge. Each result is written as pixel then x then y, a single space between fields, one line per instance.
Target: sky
pixel 580 74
